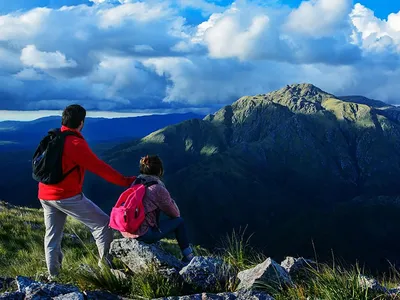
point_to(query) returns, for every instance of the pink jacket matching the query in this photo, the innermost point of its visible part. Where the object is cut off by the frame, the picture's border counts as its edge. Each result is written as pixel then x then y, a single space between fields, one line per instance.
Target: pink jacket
pixel 156 200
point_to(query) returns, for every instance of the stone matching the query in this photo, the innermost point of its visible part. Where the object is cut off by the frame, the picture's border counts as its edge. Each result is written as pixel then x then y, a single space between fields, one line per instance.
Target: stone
pixel 299 268
pixel 102 295
pixel 139 256
pixel 241 295
pixel 268 273
pixel 33 289
pixel 70 296
pixel 12 296
pixel 206 272
pixel 371 283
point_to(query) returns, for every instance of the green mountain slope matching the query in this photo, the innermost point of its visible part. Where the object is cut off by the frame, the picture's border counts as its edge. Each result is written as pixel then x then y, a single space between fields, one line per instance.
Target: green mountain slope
pixel 288 165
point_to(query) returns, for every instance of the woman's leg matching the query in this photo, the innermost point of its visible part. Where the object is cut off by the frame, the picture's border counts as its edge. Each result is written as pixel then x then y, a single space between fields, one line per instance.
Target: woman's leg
pixel 166 227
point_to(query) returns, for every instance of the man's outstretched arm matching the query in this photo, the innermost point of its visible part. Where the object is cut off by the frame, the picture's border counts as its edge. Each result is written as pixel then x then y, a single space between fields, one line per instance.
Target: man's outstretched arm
pixel 83 156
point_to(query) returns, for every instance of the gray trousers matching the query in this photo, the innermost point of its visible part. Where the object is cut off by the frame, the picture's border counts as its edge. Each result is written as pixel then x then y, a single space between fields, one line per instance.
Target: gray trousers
pixel 85 211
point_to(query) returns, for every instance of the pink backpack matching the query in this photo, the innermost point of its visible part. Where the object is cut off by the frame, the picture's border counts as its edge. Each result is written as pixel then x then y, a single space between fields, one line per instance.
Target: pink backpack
pixel 128 213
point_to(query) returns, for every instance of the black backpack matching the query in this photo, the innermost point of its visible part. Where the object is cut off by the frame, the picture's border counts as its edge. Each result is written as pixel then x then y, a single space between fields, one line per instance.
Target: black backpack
pixel 47 159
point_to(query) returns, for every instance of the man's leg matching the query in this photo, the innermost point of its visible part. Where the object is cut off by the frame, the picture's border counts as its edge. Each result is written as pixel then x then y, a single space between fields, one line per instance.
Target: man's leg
pixel 85 211
pixel 54 221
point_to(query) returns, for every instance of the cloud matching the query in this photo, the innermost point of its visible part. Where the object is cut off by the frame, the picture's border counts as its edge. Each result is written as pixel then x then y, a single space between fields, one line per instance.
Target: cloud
pixel 32 57
pixel 374 34
pixel 20 27
pixel 128 54
pixel 138 12
pixel 319 18
pixel 28 74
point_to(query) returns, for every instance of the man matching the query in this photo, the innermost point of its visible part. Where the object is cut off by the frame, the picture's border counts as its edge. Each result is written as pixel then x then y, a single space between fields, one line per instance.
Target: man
pixel 66 198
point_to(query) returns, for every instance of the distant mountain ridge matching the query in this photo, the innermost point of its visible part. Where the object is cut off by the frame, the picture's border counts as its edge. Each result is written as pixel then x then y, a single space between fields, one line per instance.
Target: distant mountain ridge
pixel 23 135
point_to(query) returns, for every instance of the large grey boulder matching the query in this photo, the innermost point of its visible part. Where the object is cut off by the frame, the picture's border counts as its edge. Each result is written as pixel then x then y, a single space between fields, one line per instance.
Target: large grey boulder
pixel 139 256
pixel 241 295
pixel 37 290
pixel 206 273
pixel 299 268
pixel 269 274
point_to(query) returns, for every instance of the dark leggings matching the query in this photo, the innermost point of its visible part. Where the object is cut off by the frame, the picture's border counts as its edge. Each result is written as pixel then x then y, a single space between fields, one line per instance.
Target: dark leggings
pixel 166 227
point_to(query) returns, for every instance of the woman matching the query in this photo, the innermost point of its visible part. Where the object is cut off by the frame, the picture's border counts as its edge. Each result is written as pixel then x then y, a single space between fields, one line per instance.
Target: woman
pixel 157 199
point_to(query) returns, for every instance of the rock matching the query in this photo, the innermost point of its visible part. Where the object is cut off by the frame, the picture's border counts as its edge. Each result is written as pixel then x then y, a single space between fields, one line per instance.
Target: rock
pixel 242 295
pixel 371 283
pixel 299 268
pixel 37 290
pixel 70 296
pixel 206 272
pixel 12 296
pixel 101 295
pixel 23 283
pixel 269 273
pixel 139 256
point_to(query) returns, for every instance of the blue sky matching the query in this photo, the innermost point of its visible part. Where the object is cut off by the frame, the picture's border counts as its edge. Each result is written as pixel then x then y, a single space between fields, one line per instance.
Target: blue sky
pixel 382 8
pixel 129 55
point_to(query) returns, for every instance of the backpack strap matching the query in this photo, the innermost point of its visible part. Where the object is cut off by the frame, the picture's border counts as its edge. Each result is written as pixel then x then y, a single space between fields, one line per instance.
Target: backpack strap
pixel 150 183
pixel 64 134
pixel 140 180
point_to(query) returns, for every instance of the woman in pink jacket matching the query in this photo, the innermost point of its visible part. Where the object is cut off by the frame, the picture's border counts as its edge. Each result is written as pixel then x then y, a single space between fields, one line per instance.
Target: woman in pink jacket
pixel 156 200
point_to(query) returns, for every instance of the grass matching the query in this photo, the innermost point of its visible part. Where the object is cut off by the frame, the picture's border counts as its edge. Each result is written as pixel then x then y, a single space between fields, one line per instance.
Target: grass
pixel 21 253
pixel 330 283
pixel 237 251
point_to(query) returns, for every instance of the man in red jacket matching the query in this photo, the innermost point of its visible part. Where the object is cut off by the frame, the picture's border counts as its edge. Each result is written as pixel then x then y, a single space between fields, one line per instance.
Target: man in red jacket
pixel 66 198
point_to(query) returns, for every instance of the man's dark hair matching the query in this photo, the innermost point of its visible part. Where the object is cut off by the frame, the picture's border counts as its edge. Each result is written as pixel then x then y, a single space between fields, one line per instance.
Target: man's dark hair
pixel 73 115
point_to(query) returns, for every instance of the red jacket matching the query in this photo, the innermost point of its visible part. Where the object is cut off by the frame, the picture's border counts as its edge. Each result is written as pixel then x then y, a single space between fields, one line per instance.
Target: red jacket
pixel 77 152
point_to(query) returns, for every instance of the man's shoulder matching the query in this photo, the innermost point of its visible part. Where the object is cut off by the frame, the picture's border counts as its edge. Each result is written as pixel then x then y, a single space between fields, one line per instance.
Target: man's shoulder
pixel 72 140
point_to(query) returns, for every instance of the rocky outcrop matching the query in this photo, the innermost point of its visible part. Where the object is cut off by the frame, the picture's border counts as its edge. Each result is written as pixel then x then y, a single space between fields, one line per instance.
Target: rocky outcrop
pixel 206 272
pixel 139 256
pixel 37 290
pixel 269 273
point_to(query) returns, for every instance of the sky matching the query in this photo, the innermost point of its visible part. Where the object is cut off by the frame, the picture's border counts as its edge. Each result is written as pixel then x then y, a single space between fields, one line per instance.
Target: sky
pixel 170 55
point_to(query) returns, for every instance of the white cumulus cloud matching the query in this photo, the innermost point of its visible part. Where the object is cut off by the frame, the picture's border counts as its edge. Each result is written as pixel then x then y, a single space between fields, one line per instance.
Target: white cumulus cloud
pixel 319 18
pixel 32 57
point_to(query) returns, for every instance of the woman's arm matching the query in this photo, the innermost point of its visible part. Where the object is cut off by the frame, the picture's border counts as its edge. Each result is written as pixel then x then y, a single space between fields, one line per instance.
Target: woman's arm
pixel 166 204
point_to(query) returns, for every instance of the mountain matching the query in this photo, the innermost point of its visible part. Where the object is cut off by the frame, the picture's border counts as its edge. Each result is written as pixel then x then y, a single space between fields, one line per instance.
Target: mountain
pixel 15 135
pixel 298 166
